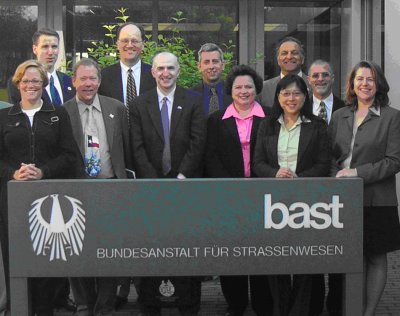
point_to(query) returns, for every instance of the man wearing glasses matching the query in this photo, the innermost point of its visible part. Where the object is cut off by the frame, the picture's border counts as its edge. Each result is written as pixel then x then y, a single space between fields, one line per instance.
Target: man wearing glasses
pixel 129 77
pixel 321 79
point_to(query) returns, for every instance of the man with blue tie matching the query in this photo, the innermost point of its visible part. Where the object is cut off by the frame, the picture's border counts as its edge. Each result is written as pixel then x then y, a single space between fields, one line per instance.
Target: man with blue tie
pixel 45 46
pixel 211 66
pixel 168 137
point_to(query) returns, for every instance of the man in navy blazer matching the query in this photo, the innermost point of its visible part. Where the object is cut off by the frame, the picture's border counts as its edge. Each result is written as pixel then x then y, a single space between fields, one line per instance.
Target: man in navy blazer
pixel 130 44
pixel 168 134
pixel 45 46
pixel 211 65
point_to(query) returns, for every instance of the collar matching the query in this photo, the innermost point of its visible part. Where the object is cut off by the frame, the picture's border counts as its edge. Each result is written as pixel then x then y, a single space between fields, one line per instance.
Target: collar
pixel 134 68
pixel 328 101
pixel 46 107
pixel 52 74
pixel 216 86
pixel 255 111
pixel 300 120
pixel 161 94
pixel 300 74
pixel 376 110
pixel 82 106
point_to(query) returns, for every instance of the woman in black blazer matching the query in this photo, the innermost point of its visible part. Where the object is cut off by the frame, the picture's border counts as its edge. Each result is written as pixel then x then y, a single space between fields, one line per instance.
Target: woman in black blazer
pixel 292 143
pixel 365 138
pixel 231 136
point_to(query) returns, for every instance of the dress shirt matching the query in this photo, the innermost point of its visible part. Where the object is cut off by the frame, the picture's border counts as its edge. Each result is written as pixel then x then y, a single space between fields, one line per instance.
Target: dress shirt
pixel 219 88
pixel 107 170
pixel 136 75
pixel 170 101
pixel 288 143
pixel 57 85
pixel 328 104
pixel 244 126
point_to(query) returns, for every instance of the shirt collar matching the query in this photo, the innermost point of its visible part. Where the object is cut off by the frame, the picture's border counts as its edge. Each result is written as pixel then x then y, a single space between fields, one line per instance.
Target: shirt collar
pixel 134 68
pixel 300 74
pixel 375 110
pixel 52 74
pixel 169 96
pixel 328 101
pixel 300 120
pixel 255 111
pixel 83 106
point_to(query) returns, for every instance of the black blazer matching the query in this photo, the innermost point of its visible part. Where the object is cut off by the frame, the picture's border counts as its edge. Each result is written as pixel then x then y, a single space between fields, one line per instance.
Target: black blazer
pixel 111 81
pixel 224 158
pixel 68 90
pixel 187 134
pixel 337 104
pixel 313 158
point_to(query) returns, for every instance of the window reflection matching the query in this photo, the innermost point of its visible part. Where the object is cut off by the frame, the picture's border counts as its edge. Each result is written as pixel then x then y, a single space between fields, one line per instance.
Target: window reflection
pixel 17 24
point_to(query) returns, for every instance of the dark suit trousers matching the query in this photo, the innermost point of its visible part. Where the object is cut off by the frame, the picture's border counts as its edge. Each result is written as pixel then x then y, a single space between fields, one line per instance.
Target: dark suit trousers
pixel 94 296
pixel 334 298
pixel 235 290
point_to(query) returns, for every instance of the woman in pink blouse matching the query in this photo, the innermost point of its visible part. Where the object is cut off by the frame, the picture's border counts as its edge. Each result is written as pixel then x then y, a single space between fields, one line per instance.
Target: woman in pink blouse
pixel 231 137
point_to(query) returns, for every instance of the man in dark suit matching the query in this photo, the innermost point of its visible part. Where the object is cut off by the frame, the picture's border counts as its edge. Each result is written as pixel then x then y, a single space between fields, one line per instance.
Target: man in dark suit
pixel 212 87
pixel 124 81
pixel 168 138
pixel 321 78
pixel 45 46
pixel 102 121
pixel 290 56
pixel 130 44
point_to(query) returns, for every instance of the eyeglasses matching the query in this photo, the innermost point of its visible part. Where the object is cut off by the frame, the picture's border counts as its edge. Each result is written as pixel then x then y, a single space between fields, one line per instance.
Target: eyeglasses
pixel 324 75
pixel 287 94
pixel 35 82
pixel 126 41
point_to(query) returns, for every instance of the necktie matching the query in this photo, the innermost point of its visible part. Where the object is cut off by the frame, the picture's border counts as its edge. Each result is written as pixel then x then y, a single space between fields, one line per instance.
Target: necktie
pixel 130 88
pixel 166 156
pixel 92 146
pixel 55 97
pixel 322 111
pixel 213 105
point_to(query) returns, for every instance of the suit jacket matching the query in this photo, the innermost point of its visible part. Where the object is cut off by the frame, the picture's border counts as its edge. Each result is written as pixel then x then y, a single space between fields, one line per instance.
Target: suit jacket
pixel 337 104
pixel 68 90
pixel 313 157
pixel 224 158
pixel 111 81
pixel 187 134
pixel 376 151
pixel 227 99
pixel 267 95
pixel 115 121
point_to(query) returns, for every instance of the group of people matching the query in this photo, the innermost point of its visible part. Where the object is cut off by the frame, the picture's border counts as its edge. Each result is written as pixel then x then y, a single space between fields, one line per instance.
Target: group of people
pixel 133 116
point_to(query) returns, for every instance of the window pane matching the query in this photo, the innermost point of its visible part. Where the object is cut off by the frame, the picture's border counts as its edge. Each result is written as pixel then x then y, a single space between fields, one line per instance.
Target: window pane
pixel 17 25
pixel 315 23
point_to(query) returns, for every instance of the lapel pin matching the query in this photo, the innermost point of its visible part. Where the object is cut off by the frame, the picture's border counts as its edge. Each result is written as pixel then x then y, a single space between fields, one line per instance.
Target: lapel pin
pixel 54 119
pixel 111 115
pixel 69 88
pixel 179 107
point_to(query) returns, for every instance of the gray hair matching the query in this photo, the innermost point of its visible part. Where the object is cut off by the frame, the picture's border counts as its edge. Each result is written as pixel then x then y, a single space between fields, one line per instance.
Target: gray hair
pixel 322 63
pixel 88 62
pixel 210 47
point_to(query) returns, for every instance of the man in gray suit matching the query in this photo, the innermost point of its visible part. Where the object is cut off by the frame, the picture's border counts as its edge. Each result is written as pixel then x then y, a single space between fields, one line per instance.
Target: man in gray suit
pixel 290 56
pixel 100 128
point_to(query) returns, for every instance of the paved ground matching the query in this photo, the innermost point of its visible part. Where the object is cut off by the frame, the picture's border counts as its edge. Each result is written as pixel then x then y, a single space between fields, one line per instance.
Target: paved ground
pixel 213 303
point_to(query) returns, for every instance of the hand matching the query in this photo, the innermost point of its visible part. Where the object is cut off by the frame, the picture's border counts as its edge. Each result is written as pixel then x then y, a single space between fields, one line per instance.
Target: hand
pixel 28 172
pixel 285 173
pixel 346 173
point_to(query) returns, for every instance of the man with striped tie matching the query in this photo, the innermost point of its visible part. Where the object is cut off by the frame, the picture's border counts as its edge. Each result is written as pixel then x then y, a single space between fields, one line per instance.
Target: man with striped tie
pixel 45 46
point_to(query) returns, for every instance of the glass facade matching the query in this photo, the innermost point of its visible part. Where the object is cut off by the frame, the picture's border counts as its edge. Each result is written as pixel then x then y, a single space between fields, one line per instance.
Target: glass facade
pixel 316 24
pixel 17 24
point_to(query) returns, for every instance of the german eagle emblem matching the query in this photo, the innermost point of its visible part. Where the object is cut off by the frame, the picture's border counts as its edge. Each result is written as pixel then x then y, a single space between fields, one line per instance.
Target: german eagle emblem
pixel 57 238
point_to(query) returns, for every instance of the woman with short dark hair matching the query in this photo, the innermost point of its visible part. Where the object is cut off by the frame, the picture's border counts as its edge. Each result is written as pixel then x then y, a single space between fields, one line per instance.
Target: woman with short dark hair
pixel 231 137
